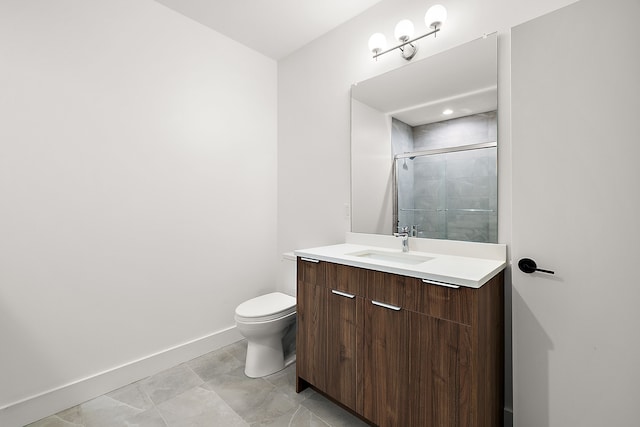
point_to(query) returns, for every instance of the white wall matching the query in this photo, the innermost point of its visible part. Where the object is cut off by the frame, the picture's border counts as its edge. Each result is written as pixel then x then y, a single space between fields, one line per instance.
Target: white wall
pixel 313 108
pixel 138 155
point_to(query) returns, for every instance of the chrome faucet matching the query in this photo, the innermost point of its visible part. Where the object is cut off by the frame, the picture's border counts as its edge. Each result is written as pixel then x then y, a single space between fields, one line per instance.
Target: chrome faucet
pixel 404 234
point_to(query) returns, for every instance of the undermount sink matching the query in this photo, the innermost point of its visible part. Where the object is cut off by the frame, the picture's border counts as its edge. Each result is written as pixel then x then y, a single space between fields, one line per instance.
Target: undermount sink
pixel 399 257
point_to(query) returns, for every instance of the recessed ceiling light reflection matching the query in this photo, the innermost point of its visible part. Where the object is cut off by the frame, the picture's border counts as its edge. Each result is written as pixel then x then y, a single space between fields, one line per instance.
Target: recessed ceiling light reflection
pixel 447 112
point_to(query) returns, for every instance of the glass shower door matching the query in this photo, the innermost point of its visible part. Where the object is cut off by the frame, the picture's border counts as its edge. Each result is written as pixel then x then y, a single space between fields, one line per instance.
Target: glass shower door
pixel 448 194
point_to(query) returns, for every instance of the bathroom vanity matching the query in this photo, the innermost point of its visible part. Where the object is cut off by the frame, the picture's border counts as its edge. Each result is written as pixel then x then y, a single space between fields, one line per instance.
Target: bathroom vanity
pixel 398 342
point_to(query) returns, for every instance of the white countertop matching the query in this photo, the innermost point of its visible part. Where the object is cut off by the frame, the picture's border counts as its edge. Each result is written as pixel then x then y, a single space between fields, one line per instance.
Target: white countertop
pixel 466 271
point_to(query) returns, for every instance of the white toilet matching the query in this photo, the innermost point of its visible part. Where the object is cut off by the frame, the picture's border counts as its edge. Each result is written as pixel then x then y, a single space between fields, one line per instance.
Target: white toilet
pixel 268 322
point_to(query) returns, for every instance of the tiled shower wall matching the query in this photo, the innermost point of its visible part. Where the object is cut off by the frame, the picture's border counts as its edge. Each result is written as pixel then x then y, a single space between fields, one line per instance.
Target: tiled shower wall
pixel 452 195
pixel 473 129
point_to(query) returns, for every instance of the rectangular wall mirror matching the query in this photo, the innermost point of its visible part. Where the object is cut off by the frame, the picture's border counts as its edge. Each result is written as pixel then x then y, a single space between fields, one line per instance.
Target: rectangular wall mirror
pixel 424 147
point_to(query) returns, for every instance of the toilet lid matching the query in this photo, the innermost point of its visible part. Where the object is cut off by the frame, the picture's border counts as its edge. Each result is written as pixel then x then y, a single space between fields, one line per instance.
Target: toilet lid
pixel 267 307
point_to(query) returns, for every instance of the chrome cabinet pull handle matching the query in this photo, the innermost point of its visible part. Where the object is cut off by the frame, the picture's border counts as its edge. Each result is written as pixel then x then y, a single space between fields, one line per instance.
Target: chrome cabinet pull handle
pixel 383 305
pixel 446 285
pixel 309 259
pixel 342 294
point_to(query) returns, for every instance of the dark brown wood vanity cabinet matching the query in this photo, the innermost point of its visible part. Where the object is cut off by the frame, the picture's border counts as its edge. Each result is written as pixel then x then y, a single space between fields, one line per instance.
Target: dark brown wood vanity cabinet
pixel 399 352
pixel 329 332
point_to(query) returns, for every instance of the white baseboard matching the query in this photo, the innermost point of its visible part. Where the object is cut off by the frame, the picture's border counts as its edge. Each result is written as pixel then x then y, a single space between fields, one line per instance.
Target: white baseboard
pixel 49 402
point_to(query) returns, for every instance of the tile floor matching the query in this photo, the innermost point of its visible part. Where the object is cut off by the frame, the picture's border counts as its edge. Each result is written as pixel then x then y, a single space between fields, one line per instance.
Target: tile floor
pixel 211 390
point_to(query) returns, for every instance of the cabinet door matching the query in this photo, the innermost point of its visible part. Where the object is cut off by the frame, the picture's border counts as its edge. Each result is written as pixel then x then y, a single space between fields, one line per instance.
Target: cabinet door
pixel 311 272
pixel 439 301
pixel 311 338
pixel 344 348
pixel 440 365
pixel 386 365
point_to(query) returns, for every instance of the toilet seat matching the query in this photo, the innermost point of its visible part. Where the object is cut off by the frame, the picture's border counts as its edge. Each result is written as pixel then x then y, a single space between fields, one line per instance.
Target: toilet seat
pixel 266 307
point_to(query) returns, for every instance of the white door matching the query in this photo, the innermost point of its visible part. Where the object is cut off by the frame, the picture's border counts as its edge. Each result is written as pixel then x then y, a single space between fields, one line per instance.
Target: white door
pixel 576 210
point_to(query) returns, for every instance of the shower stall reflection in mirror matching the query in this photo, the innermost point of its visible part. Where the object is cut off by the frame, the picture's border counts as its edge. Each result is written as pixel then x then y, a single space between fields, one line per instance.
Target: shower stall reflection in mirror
pixel 448 193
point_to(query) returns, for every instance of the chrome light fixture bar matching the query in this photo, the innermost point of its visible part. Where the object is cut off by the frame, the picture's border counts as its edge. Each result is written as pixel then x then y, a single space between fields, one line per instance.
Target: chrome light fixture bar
pixel 408 52
pixel 434 18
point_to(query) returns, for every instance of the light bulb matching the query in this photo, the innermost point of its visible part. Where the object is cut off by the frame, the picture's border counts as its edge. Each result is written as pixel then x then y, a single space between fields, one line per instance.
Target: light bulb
pixel 377 43
pixel 435 16
pixel 404 30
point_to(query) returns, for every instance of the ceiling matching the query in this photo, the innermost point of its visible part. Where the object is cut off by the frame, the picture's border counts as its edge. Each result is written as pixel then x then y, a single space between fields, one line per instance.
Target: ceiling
pixel 274 28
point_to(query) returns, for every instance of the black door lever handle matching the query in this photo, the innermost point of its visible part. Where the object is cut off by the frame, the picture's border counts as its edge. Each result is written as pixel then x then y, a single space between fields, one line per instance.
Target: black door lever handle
pixel 527 265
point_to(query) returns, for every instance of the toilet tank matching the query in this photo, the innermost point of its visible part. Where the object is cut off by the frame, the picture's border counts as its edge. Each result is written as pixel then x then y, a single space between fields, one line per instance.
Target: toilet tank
pixel 287 276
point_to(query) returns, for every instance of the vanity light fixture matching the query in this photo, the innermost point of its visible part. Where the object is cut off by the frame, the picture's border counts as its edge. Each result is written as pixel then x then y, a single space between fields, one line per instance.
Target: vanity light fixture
pixel 434 18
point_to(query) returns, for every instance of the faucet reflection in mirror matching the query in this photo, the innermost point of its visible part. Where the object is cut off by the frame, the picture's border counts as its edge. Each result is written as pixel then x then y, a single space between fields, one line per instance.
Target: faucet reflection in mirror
pixel 434 18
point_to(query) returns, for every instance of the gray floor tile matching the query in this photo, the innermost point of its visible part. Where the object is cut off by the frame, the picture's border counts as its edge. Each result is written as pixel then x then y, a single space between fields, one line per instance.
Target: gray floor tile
pixel 150 418
pixel 331 413
pixel 298 417
pixel 215 363
pixel 108 412
pixel 254 399
pixel 104 411
pixel 199 407
pixel 53 421
pixel 283 378
pixel 238 350
pixel 72 415
pixel 170 383
pixel 285 382
pixel 132 395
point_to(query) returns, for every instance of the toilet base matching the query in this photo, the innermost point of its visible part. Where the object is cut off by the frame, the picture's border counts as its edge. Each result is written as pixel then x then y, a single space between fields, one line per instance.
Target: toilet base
pixel 270 354
pixel 264 357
